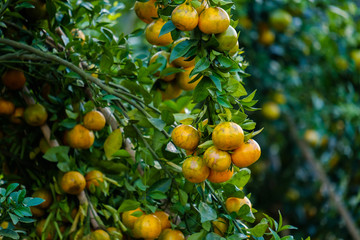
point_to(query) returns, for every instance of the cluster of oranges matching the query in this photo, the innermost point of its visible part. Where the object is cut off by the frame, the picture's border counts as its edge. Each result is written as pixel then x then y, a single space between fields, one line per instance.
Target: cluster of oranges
pixel 216 163
pixel 150 226
pixel 185 17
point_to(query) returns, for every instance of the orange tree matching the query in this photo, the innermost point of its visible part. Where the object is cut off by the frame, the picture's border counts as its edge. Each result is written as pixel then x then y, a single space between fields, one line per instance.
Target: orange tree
pixel 121 143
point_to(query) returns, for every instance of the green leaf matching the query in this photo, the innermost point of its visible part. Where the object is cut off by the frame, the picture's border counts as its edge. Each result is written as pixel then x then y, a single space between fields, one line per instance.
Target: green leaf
pixel 113 143
pixel 167 117
pixel 9 233
pixel 206 144
pixel 275 235
pixel 162 185
pixel 200 66
pixel 248 125
pixel 14 218
pixel 252 134
pixel 183 197
pixel 216 80
pixel 225 61
pixel 249 98
pixel 121 153
pixel 206 212
pixel 168 27
pixel 201 90
pixel 260 229
pixel 223 101
pixel 206 226
pixel 235 88
pixel 237 236
pixel 213 236
pixel 157 123
pixel 55 153
pixel 11 188
pixel 68 123
pixel 181 49
pixel 241 178
pixel 158 195
pixel 127 205
pixel 30 202
pixel 23 212
pixel 198 236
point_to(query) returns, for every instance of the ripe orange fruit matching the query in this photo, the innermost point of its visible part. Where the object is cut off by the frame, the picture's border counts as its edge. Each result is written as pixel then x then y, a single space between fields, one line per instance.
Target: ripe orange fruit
pixel 44 194
pixel 227 40
pixel 214 20
pixel 228 136
pixel 14 79
pixel 234 204
pixel 312 137
pixel 195 169
pixel 182 79
pixel 216 159
pixel 166 55
pixel 246 154
pixel 6 107
pixel 73 182
pixel 147 226
pixel 279 98
pixel 220 177
pixel 94 177
pixel 35 115
pixel 170 234
pixel 146 11
pixel 280 19
pixel 128 219
pixel 271 110
pixel 186 137
pixel 152 32
pixel 235 49
pixel 37 212
pixel 164 219
pixel 100 234
pixel 40 227
pixel 220 226
pixel 204 5
pixel 266 37
pixel 181 61
pixel 80 137
pixel 172 91
pixel 185 17
pixel 17 115
pixel 94 120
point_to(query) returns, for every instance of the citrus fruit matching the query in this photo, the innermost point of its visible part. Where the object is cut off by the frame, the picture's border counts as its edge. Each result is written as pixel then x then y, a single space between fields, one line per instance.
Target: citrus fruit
pixel 128 219
pixel 266 37
pixel 245 22
pixel 73 182
pixel 80 137
pixel 35 115
pixel 234 204
pixel 234 50
pixel 220 176
pixel 182 61
pixel 37 212
pixel 40 228
pixel 170 234
pixel 279 98
pixel 355 56
pixel 312 137
pixel 44 194
pixel 280 19
pixel 146 11
pixel 182 79
pixel 172 91
pixel 44 145
pixel 78 34
pixel 185 17
pixel 166 55
pixel 220 226
pixel 186 137
pixel 216 159
pixel 152 32
pixel 227 39
pixel 94 177
pixel 214 20
pixel 341 63
pixel 100 234
pixel 271 110
pixel 164 219
pixel 4 225
pixel 195 169
pixel 17 115
pixel 14 79
pixel 204 5
pixel 147 226
pixel 6 107
pixel 228 136
pixel 246 154
pixel 94 120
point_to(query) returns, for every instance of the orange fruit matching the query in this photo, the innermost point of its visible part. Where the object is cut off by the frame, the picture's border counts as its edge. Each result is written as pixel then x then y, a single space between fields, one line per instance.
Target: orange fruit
pixel 128 219
pixel 234 204
pixel 147 226
pixel 172 91
pixel 181 61
pixel 185 17
pixel 152 32
pixel 195 169
pixel 220 177
pixel 182 79
pixel 228 136
pixel 204 5
pixel 217 159
pixel 35 115
pixel 146 11
pixel 235 49
pixel 271 110
pixel 355 56
pixel 100 234
pixel 214 20
pixel 220 226
pixel 312 137
pixel 17 115
pixel 77 33
pixel 80 137
pixel 279 98
pixel 164 219
pixel 6 107
pixel 170 234
pixel 227 40
pixel 73 182
pixel 246 154
pixel 280 19
pixel 4 225
pixel 37 212
pixel 266 37
pixel 14 79
pixel 94 120
pixel 44 194
pixel 186 137
pixel 94 177
pixel 166 55
pixel 40 228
